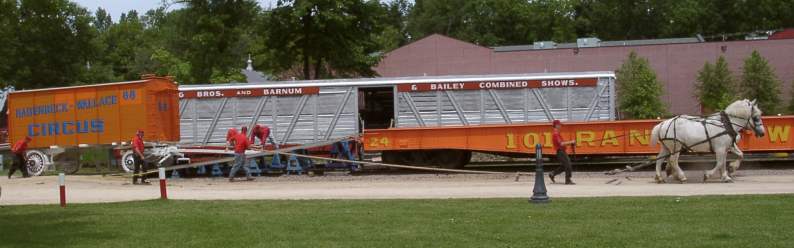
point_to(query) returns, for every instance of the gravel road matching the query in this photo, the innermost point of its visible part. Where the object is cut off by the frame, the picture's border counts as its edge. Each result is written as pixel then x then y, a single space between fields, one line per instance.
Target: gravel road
pixel 90 189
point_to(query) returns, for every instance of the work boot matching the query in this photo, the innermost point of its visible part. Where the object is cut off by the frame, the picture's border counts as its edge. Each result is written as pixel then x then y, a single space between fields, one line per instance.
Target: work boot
pixel 551 177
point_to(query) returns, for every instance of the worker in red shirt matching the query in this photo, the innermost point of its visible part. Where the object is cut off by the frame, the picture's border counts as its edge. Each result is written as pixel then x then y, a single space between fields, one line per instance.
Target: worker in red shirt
pixel 562 155
pixel 138 158
pixel 229 137
pixel 241 144
pixel 262 133
pixel 20 161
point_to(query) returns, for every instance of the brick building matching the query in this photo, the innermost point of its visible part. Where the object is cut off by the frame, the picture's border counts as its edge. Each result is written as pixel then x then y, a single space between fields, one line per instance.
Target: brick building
pixel 676 61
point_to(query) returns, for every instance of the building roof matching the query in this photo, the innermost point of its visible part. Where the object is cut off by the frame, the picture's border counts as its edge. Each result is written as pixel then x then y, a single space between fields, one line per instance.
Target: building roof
pixel 600 44
pixel 785 34
pixel 676 61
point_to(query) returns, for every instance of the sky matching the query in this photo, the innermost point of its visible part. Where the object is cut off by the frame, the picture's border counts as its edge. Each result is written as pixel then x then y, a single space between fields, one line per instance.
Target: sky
pixel 116 7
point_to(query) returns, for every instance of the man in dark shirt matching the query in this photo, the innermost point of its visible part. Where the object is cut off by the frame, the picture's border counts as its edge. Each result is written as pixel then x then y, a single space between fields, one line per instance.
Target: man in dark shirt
pixel 562 155
pixel 20 162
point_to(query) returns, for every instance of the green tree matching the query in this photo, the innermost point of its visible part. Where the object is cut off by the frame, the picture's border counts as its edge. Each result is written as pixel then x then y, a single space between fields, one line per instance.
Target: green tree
pixel 433 16
pixel 102 20
pixel 395 20
pixel 214 36
pixel 760 83
pixel 791 100
pixel 715 88
pixel 324 38
pixel 639 91
pixel 8 40
pixel 164 63
pixel 121 42
pixel 55 43
pixel 490 22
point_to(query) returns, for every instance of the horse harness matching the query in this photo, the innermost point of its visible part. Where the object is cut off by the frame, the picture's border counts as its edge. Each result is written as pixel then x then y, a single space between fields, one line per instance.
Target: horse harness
pixel 724 123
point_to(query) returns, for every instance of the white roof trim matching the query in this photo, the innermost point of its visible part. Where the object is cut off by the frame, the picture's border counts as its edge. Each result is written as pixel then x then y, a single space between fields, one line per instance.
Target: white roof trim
pixel 399 80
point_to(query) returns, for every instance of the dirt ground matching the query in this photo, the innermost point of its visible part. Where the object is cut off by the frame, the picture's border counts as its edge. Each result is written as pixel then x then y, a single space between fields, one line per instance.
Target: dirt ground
pixel 90 189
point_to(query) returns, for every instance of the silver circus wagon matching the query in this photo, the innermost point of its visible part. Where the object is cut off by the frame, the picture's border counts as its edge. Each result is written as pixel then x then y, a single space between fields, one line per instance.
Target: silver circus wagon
pixel 301 112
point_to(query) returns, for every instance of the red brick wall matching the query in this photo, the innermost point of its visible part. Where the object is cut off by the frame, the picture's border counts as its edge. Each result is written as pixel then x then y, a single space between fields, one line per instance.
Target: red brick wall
pixel 676 65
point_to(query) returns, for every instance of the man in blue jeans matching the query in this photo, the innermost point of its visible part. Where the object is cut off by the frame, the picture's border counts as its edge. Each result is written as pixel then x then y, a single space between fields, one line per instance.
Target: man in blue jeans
pixel 241 144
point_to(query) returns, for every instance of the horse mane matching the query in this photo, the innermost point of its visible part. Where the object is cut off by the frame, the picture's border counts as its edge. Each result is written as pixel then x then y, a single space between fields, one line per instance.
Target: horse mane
pixel 741 108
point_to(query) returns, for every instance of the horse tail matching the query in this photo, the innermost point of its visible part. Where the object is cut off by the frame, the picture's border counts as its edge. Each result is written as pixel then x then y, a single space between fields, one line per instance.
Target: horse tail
pixel 655 134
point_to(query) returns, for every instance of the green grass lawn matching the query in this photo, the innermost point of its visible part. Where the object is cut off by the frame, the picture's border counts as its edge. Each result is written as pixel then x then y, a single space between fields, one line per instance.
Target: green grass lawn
pixel 713 221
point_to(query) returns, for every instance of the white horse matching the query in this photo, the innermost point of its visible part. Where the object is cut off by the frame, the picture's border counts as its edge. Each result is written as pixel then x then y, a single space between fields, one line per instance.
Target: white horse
pixel 718 133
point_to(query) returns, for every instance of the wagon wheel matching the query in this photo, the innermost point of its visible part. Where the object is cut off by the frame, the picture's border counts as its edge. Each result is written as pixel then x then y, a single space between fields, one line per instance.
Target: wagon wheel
pixel 36 163
pixel 70 167
pixel 127 162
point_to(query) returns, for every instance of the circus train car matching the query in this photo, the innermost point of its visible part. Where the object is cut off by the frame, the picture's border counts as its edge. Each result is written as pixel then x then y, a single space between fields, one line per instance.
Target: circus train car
pixel 63 121
pixel 308 112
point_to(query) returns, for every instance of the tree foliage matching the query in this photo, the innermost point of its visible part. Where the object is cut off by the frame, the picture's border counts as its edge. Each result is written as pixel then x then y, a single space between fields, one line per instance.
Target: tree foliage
pixel 329 38
pixel 213 31
pixel 791 100
pixel 639 91
pixel 760 83
pixel 53 43
pixel 715 87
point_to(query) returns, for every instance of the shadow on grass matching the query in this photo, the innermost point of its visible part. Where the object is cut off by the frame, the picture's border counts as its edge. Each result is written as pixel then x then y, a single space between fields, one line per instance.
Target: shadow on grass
pixel 37 227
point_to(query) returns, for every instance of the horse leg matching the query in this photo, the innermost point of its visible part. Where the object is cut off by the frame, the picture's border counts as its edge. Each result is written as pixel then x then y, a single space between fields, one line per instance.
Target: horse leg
pixel 707 174
pixel 659 161
pixel 734 166
pixel 676 169
pixel 721 157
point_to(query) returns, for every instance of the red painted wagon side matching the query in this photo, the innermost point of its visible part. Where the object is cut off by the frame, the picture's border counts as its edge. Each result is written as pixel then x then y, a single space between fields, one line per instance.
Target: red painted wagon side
pixel 593 138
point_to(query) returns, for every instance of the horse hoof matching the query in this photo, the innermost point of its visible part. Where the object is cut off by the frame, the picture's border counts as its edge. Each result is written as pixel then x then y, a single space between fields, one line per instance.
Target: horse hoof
pixel 682 181
pixel 658 179
pixel 729 180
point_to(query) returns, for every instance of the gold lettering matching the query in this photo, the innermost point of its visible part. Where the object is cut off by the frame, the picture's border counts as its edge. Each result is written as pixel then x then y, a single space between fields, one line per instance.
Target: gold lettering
pixel 511 141
pixel 585 137
pixel 609 138
pixel 530 139
pixel 779 133
pixel 639 137
pixel 547 137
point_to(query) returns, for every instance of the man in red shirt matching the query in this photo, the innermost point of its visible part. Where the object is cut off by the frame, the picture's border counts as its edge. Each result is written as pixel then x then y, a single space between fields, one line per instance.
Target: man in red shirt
pixel 241 144
pixel 562 156
pixel 229 137
pixel 20 162
pixel 262 133
pixel 138 158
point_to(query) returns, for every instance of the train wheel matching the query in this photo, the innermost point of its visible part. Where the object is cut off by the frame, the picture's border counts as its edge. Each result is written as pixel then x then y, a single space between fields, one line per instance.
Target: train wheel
pixel 420 158
pixel 37 162
pixel 390 157
pixel 451 159
pixel 127 162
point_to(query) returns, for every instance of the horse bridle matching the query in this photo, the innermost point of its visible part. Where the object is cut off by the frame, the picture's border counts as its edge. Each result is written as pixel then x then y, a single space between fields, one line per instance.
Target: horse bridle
pixel 750 122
